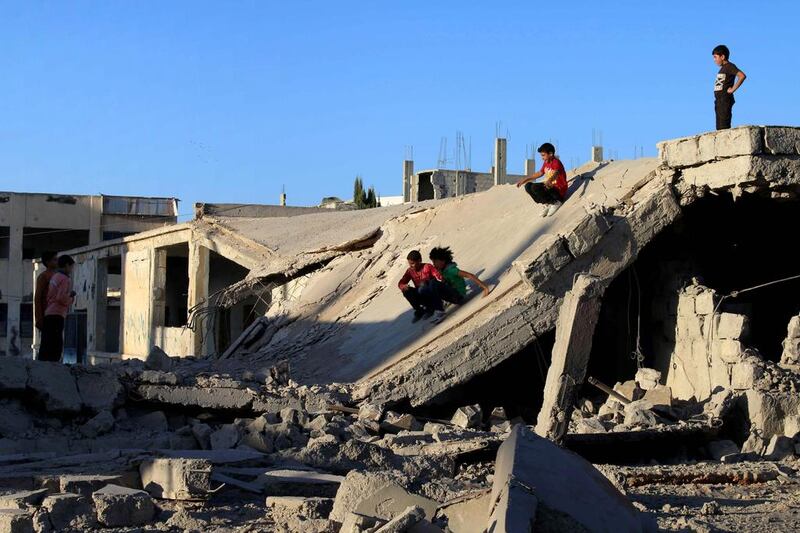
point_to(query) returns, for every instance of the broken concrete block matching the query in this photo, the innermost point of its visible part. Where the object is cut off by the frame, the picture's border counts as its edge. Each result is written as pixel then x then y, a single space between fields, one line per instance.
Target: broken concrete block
pixel 54 386
pixel 587 233
pixel 403 521
pixel 202 433
pixel 719 448
pixel 357 523
pixel 99 389
pixel 745 374
pixel 470 416
pixel 86 485
pixel 765 413
pixel 294 416
pixel 13 374
pixel 647 378
pixel 779 447
pixel 370 411
pixel 176 479
pixel 705 302
pixel 638 413
pixel 67 510
pixel 782 140
pixel 284 508
pixel 660 395
pixel 123 507
pixel 468 514
pixel 377 494
pixel 394 422
pixel 306 483
pixel 731 326
pixel 539 263
pixel 754 444
pixel 590 425
pixel 100 424
pixel 158 359
pixel 15 420
pixel 629 390
pixel 23 499
pixel 728 350
pixel 226 437
pixel 535 481
pixel 219 398
pixel 16 521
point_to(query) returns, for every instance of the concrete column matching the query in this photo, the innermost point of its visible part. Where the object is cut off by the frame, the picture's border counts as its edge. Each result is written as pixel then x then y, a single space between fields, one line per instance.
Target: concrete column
pixel 16 283
pixel 95 219
pixel 96 311
pixel 530 167
pixel 597 154
pixel 199 267
pixel 499 161
pixel 574 331
pixel 408 172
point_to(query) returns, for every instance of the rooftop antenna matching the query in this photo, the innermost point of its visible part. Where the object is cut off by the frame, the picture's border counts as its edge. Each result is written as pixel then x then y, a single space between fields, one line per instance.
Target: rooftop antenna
pixel 442 163
pixel 409 152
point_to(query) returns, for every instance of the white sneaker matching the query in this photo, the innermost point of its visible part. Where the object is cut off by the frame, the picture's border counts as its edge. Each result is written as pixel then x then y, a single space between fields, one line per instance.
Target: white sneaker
pixel 438 316
pixel 551 209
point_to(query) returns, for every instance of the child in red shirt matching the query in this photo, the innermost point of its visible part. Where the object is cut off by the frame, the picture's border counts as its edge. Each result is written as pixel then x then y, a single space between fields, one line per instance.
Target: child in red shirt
pixel 553 190
pixel 421 275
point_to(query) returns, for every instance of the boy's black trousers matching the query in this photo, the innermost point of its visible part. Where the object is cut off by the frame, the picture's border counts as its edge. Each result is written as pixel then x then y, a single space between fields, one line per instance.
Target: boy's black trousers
pixel 52 338
pixel 542 194
pixel 723 107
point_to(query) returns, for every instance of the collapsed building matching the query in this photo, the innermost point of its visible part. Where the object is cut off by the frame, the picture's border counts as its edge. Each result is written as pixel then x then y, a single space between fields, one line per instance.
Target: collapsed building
pixel 653 318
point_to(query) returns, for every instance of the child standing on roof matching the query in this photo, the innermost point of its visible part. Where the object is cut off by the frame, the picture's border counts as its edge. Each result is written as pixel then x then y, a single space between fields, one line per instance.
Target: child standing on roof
pixel 729 79
pixel 553 190
pixel 453 289
pixel 421 294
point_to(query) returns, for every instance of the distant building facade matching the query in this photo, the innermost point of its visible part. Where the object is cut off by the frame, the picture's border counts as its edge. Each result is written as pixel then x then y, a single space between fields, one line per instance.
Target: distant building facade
pixel 32 223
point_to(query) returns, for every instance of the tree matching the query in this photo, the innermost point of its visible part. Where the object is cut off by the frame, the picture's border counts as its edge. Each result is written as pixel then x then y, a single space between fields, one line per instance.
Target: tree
pixel 359 197
pixel 372 199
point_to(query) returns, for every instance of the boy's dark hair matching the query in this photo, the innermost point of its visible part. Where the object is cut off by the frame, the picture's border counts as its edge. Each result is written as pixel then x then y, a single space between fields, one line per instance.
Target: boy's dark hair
pixel 722 50
pixel 65 260
pixel 414 255
pixel 48 256
pixel 547 148
pixel 442 253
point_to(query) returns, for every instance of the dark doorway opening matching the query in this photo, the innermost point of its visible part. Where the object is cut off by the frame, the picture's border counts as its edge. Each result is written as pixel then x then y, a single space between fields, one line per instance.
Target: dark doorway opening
pixel 424 186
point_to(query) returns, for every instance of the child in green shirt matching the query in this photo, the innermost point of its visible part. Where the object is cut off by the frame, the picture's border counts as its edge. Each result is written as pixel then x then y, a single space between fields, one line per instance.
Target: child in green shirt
pixel 453 289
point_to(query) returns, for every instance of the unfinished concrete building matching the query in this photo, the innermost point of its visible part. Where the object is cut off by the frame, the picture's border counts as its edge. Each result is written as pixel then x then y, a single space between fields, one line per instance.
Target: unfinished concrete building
pixel 439 183
pixel 32 223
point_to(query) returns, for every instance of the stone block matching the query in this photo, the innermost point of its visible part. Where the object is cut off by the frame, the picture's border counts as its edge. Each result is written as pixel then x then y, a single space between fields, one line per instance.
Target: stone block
pixel 545 258
pixel 202 433
pixel 403 521
pixel 699 149
pixel 358 487
pixel 176 478
pixel 158 359
pixel 294 416
pixel 647 378
pixel 660 395
pixel 722 174
pixel 728 350
pixel 395 422
pixel 745 374
pixel 226 437
pixel 720 374
pixel 536 481
pixel 705 303
pixel 468 514
pixel 13 374
pixel 158 377
pixel 54 386
pixel 638 413
pixel 68 511
pixel 587 233
pixel 779 447
pixel 100 424
pixel 782 140
pixel 717 449
pixel 99 390
pixel 793 331
pixel 470 416
pixel 764 412
pixel 791 426
pixel 629 390
pixel 218 398
pixel 153 422
pixel 123 507
pixel 16 521
pixel 731 326
pixel 370 411
pixel 686 305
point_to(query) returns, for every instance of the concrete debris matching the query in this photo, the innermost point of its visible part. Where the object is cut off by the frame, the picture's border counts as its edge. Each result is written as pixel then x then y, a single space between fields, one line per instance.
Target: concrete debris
pixel 719 448
pixel 16 521
pixel 470 416
pixel 123 507
pixel 102 423
pixel 538 483
pixel 68 511
pixel 23 500
pixel 647 378
pixel 158 359
pixel 176 479
pixel 403 521
pixel 779 447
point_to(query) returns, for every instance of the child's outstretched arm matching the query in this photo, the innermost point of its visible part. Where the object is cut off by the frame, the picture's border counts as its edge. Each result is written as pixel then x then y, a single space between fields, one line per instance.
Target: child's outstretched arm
pixel 535 176
pixel 472 277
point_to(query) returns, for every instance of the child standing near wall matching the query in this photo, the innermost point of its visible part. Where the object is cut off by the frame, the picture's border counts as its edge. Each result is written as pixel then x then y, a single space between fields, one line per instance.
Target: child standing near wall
pixel 728 80
pixel 59 299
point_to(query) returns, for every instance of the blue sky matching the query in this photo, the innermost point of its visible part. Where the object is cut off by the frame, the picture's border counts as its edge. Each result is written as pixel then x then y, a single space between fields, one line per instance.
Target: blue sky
pixel 230 101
